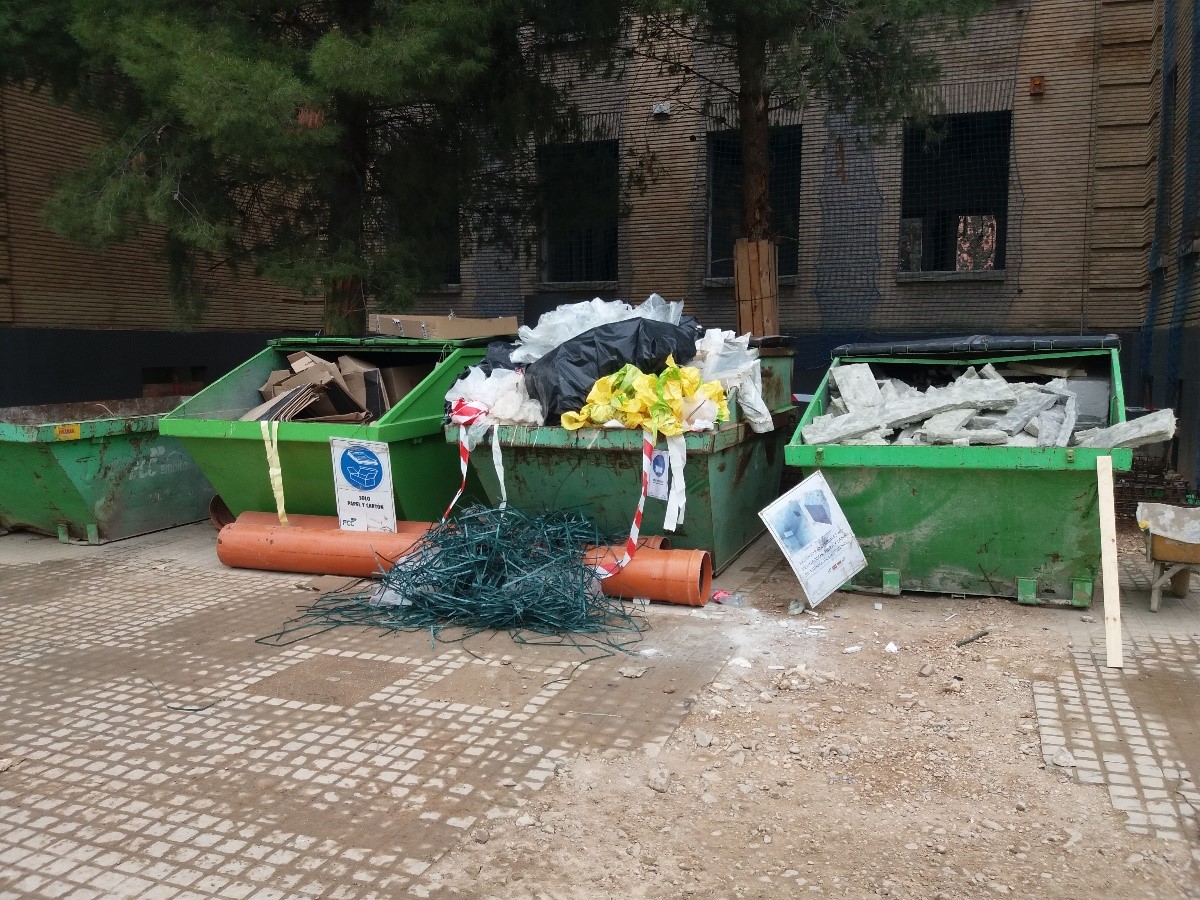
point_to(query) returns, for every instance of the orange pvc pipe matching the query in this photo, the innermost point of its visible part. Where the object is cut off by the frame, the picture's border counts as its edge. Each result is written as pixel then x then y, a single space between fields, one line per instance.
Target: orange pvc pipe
pixel 312 550
pixel 671 576
pixel 320 523
pixel 654 542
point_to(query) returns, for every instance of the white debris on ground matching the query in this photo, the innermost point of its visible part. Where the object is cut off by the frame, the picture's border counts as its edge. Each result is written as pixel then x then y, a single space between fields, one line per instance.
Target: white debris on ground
pixel 1021 404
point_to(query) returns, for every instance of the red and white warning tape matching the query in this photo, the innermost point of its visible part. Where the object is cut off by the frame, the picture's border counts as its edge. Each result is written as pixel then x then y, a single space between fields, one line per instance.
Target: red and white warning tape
pixel 604 570
pixel 465 414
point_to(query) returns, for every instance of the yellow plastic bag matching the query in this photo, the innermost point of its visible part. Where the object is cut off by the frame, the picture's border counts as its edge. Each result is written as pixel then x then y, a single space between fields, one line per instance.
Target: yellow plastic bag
pixel 663 404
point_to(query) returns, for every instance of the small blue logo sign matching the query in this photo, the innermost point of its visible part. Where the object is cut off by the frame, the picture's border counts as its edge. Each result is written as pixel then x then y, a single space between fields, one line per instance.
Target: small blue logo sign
pixel 659 465
pixel 361 468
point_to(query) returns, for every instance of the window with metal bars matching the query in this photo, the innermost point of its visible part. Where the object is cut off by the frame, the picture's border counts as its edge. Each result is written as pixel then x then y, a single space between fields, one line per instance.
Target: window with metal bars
pixel 725 197
pixel 954 193
pixel 580 192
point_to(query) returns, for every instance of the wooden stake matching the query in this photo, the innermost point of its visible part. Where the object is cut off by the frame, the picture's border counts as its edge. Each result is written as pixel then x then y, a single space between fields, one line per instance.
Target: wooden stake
pixel 1108 563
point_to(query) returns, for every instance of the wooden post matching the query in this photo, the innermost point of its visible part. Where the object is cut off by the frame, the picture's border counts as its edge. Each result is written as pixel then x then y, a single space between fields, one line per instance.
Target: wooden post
pixel 756 286
pixel 1108 563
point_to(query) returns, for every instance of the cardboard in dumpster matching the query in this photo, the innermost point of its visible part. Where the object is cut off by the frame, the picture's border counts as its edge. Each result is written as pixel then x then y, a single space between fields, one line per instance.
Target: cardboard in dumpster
pixel 441 327
pixel 399 381
pixel 272 387
pixel 365 383
pixel 813 533
pixel 314 389
pixel 284 406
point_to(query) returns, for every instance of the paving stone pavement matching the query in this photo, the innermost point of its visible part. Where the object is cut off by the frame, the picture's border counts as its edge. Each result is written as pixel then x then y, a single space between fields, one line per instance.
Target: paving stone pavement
pixel 151 748
pixel 1137 730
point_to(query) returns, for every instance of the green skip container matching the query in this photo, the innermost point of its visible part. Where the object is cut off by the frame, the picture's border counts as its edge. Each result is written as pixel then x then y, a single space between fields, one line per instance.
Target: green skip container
pixel 425 472
pixel 997 521
pixel 96 472
pixel 731 473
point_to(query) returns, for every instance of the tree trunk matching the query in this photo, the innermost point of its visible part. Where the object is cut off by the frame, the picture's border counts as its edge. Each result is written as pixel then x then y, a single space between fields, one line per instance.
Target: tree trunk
pixel 345 302
pixel 753 99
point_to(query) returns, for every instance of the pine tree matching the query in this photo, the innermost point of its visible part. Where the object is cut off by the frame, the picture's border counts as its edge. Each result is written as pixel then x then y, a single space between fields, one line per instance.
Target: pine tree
pixel 341 147
pixel 869 59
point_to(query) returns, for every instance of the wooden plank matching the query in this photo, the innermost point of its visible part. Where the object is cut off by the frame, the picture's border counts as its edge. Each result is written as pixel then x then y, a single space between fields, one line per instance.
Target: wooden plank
pixel 771 297
pixel 1108 563
pixel 756 280
pixel 741 285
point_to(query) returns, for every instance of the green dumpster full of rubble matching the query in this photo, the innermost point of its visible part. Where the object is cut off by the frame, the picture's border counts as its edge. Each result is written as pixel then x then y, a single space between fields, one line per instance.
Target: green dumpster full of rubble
pixel 968 466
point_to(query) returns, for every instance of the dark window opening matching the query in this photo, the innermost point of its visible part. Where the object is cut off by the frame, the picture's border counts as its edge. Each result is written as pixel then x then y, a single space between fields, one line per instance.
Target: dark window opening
pixel 725 197
pixel 581 192
pixel 954 193
pixel 449 254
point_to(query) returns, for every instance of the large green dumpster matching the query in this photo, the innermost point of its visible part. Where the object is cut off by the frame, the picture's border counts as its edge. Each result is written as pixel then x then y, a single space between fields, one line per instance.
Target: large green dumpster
pixel 731 473
pixel 233 455
pixel 96 471
pixel 996 521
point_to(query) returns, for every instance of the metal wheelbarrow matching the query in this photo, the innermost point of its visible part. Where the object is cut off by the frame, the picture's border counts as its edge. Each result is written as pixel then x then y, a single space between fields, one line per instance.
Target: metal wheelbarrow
pixel 1172 546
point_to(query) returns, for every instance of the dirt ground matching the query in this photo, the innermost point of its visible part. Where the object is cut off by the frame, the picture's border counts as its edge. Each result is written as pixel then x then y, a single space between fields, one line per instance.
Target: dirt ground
pixel 812 768
pixel 155 749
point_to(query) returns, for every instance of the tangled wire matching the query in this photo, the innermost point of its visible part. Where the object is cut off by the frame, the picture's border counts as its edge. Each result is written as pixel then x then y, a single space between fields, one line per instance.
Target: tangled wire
pixel 488 570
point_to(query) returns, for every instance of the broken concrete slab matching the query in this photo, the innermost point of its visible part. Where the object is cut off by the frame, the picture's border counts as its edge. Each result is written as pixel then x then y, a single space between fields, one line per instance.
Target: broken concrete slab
pixel 1152 429
pixel 981 394
pixel 878 438
pixel 989 372
pixel 903 388
pixel 1067 429
pixel 856 384
pixel 968 437
pixel 950 421
pixel 837 406
pixel 1030 404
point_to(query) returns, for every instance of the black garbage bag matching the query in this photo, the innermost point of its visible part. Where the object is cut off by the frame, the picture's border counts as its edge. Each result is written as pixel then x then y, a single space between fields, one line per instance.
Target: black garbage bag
pixel 561 380
pixel 499 356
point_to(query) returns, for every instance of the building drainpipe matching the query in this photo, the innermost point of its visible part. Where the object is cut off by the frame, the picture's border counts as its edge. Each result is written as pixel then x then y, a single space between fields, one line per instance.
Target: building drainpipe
pixel 1188 241
pixel 1162 191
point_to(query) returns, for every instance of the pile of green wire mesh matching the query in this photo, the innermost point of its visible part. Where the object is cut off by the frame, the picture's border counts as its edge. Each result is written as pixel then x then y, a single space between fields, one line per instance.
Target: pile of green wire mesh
pixel 489 570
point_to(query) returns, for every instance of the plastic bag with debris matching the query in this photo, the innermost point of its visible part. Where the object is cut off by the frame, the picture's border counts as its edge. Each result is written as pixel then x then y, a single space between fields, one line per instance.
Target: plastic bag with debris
pixel 573 319
pixel 725 357
pixel 501 395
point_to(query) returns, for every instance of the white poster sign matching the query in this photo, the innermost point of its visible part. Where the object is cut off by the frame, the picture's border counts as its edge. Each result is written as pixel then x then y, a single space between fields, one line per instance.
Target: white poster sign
pixel 811 530
pixel 657 488
pixel 362 482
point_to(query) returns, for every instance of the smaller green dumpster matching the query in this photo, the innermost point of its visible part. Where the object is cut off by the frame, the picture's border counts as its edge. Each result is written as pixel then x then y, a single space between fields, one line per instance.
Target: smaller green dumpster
pixel 96 471
pixel 233 455
pixel 1006 521
pixel 731 473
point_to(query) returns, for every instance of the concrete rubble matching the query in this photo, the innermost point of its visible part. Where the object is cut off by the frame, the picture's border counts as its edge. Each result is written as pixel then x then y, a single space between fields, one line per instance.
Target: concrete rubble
pixel 1151 429
pixel 1015 405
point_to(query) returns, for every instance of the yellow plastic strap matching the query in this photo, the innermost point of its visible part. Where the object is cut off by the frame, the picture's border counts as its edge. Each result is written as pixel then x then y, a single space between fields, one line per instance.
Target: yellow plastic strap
pixel 270 433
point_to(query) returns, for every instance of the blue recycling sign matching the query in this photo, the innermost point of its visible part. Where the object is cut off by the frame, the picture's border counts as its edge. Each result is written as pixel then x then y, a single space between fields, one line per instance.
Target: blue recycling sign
pixel 361 467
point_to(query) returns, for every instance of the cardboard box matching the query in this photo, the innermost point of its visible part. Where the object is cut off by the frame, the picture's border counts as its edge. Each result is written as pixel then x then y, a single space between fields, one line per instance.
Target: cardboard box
pixel 442 327
pixel 272 388
pixel 398 381
pixel 365 383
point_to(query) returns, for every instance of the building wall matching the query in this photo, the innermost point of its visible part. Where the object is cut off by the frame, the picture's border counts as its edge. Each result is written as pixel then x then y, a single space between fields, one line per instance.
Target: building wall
pixel 110 307
pixel 1078 189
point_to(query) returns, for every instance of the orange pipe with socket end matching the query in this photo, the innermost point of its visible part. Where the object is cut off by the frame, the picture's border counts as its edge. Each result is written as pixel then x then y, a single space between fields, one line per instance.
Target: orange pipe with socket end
pixel 312 550
pixel 321 523
pixel 671 576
